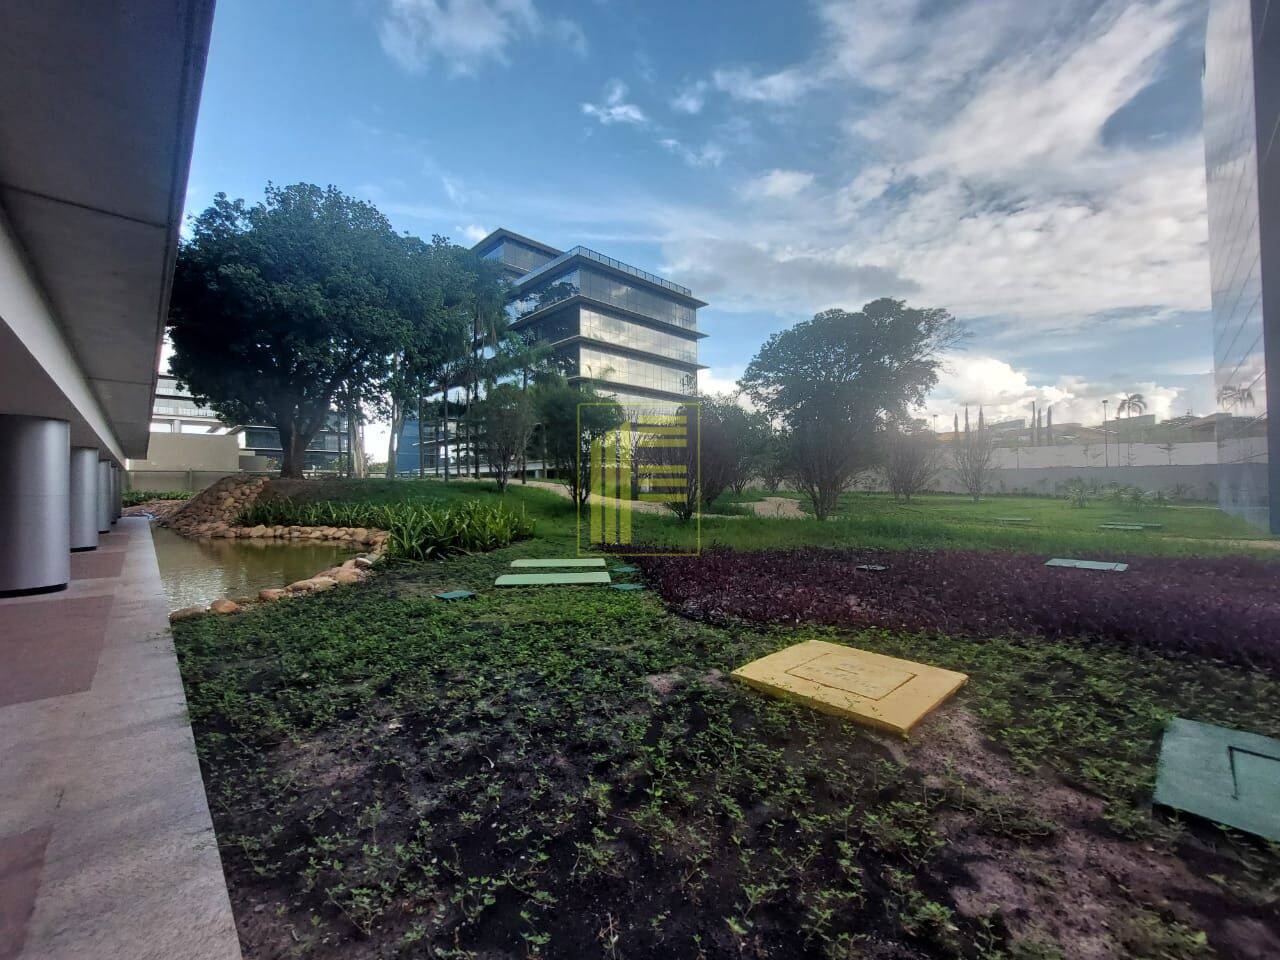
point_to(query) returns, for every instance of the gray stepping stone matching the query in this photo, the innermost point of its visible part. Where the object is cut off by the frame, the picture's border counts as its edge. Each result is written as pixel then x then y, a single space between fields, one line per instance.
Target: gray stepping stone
pixel 626 568
pixel 455 595
pixel 1224 775
pixel 871 567
pixel 551 579
pixel 626 586
pixel 1013 519
pixel 1086 564
pixel 582 562
pixel 1121 526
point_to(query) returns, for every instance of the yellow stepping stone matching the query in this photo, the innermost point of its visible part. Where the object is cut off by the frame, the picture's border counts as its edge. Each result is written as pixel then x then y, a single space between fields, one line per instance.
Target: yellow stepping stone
pixel 867 687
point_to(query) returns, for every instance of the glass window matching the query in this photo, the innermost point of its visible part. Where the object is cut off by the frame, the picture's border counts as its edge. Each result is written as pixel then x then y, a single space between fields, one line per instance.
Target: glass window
pixel 615 368
pixel 624 333
pixel 610 289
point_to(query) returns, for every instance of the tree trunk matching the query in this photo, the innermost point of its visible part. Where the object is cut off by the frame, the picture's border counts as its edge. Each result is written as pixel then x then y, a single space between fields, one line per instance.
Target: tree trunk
pixel 422 442
pixel 396 418
pixel 446 436
pixel 293 444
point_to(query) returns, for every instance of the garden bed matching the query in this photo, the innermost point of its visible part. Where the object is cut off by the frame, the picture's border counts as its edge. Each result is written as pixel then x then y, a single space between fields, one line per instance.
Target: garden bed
pixel 1227 608
pixel 569 773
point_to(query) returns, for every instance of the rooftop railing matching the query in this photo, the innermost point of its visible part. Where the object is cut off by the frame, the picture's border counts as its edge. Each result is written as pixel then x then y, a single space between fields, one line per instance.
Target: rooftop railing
pixel 598 257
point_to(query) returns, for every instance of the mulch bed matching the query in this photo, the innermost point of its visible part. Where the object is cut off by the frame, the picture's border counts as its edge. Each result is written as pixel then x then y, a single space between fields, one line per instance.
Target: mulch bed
pixel 1227 608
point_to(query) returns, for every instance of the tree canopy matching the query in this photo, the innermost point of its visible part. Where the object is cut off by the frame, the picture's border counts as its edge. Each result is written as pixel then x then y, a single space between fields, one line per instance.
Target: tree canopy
pixel 882 360
pixel 282 305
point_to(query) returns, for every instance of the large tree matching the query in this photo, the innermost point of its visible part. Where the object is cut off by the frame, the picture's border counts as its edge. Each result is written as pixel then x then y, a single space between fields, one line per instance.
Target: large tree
pixel 507 418
pixel 281 306
pixel 836 381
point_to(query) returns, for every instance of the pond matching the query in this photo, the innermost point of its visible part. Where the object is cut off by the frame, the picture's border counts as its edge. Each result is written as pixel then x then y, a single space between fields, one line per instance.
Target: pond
pixel 197 572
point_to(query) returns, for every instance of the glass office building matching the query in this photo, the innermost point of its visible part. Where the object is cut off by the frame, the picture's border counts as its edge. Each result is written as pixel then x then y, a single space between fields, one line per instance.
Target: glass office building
pixel 1242 162
pixel 630 333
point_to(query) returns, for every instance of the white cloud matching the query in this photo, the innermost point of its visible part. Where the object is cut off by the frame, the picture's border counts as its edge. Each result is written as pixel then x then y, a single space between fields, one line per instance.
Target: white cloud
pixel 1005 393
pixel 709 155
pixel 984 183
pixel 779 184
pixel 691 99
pixel 784 86
pixel 465 33
pixel 472 234
pixel 615 108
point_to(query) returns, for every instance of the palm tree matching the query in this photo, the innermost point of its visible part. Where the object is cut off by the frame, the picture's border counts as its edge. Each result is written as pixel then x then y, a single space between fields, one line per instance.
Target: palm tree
pixel 1132 403
pixel 1230 397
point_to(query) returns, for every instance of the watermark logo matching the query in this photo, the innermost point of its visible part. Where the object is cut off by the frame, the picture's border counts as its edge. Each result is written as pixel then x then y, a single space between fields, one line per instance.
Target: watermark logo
pixel 646 465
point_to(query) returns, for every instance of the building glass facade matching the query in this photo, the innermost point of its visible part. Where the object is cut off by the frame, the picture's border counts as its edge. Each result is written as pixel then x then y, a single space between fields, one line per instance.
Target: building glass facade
pixel 631 333
pixel 1242 164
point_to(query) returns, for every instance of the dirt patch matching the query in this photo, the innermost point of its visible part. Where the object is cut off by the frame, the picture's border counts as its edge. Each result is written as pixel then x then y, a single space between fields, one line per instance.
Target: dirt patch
pixel 1078 884
pixel 778 507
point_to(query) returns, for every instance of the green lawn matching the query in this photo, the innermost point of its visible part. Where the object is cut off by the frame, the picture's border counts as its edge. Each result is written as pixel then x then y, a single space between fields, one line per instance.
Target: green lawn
pixel 569 773
pixel 935 521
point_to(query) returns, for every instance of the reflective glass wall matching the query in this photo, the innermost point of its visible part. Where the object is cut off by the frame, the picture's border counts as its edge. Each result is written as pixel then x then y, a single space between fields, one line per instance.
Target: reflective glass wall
pixel 1239 103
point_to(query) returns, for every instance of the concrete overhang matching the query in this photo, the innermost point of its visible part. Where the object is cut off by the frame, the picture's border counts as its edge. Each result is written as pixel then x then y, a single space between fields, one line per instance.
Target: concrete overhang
pixel 97 119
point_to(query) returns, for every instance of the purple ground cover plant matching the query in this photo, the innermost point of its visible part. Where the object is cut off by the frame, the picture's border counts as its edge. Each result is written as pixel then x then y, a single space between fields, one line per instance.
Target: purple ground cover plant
pixel 1226 608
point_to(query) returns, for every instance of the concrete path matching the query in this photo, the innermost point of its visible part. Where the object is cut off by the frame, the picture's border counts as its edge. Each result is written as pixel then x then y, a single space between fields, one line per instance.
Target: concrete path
pixel 106 845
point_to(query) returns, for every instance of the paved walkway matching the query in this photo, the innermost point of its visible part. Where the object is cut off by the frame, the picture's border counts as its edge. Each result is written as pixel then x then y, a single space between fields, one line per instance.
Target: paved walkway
pixel 106 845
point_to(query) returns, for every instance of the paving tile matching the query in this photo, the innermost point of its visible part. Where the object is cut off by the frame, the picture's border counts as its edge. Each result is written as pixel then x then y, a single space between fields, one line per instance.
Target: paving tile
pixel 21 859
pixel 1227 776
pixel 51 650
pixel 576 563
pixel 97 566
pixel 551 579
pixel 1087 564
pixel 870 688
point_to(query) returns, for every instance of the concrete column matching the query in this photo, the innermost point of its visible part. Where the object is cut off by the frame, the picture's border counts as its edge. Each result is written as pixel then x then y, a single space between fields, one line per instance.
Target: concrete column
pixel 115 493
pixel 35 504
pixel 104 496
pixel 84 498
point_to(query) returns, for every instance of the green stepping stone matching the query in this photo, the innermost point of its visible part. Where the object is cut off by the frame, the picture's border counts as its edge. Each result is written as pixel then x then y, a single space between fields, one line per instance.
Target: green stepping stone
pixel 1121 526
pixel 626 568
pixel 1013 519
pixel 1086 564
pixel 454 595
pixel 871 567
pixel 626 586
pixel 558 563
pixel 1227 776
pixel 550 579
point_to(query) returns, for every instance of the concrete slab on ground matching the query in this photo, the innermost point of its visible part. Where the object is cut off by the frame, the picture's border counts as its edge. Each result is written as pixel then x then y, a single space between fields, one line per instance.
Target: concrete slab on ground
pixel 575 563
pixel 551 579
pixel 870 688
pixel 1087 564
pixel 1227 776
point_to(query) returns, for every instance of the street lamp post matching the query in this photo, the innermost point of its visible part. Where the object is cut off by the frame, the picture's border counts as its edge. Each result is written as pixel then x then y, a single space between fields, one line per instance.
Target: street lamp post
pixel 1106 456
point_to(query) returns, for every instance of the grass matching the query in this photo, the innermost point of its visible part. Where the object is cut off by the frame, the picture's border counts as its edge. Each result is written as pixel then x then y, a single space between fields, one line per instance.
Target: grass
pixel 554 773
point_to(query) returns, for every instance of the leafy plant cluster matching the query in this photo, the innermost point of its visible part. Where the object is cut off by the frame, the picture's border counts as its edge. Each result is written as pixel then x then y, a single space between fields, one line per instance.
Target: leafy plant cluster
pixel 1226 608
pixel 131 498
pixel 568 774
pixel 419 531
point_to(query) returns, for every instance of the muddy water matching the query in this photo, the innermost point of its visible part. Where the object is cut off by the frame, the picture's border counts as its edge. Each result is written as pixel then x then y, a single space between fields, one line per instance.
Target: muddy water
pixel 197 572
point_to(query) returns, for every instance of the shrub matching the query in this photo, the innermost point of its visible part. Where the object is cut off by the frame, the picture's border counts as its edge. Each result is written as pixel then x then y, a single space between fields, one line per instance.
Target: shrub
pixel 1227 608
pixel 132 498
pixel 418 531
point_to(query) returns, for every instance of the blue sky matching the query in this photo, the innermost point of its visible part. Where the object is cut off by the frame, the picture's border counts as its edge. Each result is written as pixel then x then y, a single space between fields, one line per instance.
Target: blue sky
pixel 1036 168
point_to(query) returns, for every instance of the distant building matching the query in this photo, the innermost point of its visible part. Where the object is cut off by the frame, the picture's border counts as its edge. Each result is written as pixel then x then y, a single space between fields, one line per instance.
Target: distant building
pixel 174 411
pixel 1242 165
pixel 632 334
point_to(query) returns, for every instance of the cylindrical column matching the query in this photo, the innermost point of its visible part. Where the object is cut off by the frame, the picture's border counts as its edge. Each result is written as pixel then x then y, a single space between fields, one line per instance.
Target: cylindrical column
pixel 35 504
pixel 115 493
pixel 104 496
pixel 84 498
pixel 120 482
